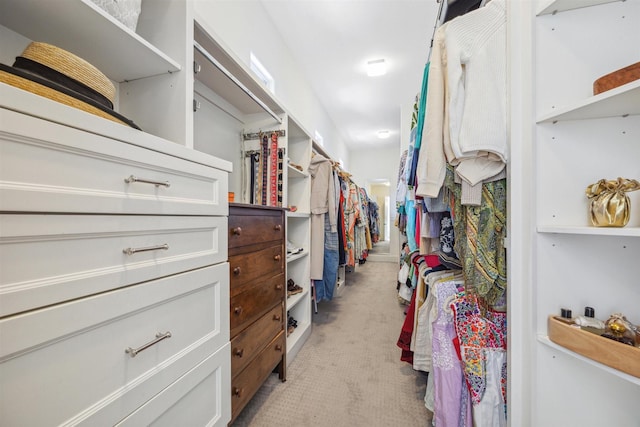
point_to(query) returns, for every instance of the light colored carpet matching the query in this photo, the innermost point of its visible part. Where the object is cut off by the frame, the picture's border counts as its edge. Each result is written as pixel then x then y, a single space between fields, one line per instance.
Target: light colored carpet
pixel 349 372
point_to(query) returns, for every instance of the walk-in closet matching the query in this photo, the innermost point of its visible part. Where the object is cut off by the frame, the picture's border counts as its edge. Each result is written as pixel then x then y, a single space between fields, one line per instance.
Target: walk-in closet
pixel 319 213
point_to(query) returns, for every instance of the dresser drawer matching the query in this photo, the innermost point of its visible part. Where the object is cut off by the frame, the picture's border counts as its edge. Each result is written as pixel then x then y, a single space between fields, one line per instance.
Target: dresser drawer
pixel 255 265
pixel 79 255
pixel 249 342
pixel 74 361
pixel 248 230
pixel 245 385
pixel 247 306
pixel 47 167
pixel 199 398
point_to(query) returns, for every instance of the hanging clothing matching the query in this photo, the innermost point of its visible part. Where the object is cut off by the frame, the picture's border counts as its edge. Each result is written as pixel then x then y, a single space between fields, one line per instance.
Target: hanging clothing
pixel 435 149
pixel 482 344
pixel 480 232
pixel 412 142
pixel 425 316
pixel 411 178
pixel 477 85
pixel 465 122
pixel 322 202
pixel 342 240
pixel 324 288
pixel 264 171
pixel 280 175
pixel 404 341
pixel 452 405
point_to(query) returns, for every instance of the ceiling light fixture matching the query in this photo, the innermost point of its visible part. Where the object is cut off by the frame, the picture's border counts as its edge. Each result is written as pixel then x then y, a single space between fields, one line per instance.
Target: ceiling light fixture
pixel 383 134
pixel 376 67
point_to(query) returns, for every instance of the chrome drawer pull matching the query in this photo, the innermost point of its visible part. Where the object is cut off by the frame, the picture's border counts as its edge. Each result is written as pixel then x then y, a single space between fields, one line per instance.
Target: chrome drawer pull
pixel 159 337
pixel 133 178
pixel 131 251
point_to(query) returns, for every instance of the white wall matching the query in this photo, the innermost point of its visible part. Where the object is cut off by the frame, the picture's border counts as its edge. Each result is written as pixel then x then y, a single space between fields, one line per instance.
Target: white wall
pixel 244 26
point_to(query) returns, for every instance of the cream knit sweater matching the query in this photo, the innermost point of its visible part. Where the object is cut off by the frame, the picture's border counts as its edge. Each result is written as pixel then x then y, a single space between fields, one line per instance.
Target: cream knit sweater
pixel 465 121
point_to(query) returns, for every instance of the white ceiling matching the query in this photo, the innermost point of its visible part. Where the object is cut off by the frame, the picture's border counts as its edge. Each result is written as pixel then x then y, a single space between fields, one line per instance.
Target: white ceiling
pixel 334 39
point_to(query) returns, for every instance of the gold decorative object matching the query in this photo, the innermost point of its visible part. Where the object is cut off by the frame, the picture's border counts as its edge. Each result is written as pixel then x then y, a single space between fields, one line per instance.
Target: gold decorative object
pixel 621 329
pixel 610 205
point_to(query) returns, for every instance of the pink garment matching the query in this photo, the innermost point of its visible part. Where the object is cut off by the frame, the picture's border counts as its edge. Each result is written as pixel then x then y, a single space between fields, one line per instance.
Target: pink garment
pixel 452 405
pixel 418 221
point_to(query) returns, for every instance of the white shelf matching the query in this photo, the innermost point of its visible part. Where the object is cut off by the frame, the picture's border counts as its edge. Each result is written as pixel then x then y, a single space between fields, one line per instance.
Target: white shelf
pixel 296 340
pixel 546 341
pixel 620 101
pixel 297 256
pixel 595 231
pixel 298 214
pixel 295 299
pixel 339 287
pixel 83 28
pixel 296 173
pixel 553 6
pixel 236 82
pixel 31 104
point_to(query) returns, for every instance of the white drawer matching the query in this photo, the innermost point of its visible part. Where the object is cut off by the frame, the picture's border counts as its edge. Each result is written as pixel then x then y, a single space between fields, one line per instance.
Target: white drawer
pixel 199 398
pixel 66 364
pixel 48 259
pixel 47 167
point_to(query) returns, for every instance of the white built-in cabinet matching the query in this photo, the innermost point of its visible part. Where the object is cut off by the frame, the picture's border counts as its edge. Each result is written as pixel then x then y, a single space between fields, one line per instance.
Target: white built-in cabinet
pixel 298 192
pixel 576 139
pixel 232 106
pixel 114 291
pixel 64 207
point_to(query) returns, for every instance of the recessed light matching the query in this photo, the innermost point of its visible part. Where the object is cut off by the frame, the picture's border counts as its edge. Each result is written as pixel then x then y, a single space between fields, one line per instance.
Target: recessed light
pixel 383 134
pixel 376 67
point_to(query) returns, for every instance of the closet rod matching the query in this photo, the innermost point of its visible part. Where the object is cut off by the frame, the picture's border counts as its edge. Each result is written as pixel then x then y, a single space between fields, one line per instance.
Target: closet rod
pixel 257 135
pixel 220 67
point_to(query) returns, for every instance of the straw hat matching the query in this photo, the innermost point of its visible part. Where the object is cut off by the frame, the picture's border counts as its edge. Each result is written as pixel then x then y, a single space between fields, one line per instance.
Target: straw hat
pixel 56 74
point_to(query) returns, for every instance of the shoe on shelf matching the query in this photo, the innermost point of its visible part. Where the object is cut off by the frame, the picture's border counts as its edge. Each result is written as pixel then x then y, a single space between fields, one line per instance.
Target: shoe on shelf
pixel 293 249
pixel 291 322
pixel 292 288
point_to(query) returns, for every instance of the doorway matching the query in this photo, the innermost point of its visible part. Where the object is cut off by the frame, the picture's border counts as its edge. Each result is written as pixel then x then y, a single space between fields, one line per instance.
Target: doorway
pixel 379 193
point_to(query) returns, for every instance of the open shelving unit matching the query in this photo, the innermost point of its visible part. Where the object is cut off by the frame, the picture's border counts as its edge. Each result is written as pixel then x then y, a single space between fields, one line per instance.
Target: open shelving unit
pixel 299 233
pixel 579 138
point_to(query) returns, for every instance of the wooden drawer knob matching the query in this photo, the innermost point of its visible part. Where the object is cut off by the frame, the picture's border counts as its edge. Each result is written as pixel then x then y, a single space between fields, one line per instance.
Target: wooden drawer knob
pixel 278 347
pixel 277 227
pixel 236 231
pixel 238 310
pixel 237 391
pixel 277 317
pixel 279 287
pixel 236 271
pixel 238 352
pixel 277 257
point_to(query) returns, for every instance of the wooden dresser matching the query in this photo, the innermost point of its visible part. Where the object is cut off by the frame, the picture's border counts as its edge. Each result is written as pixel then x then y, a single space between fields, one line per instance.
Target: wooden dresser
pixel 257 299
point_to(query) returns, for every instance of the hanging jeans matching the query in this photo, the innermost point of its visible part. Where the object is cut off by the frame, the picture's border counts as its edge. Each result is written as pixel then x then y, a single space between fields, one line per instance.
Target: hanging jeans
pixel 326 286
